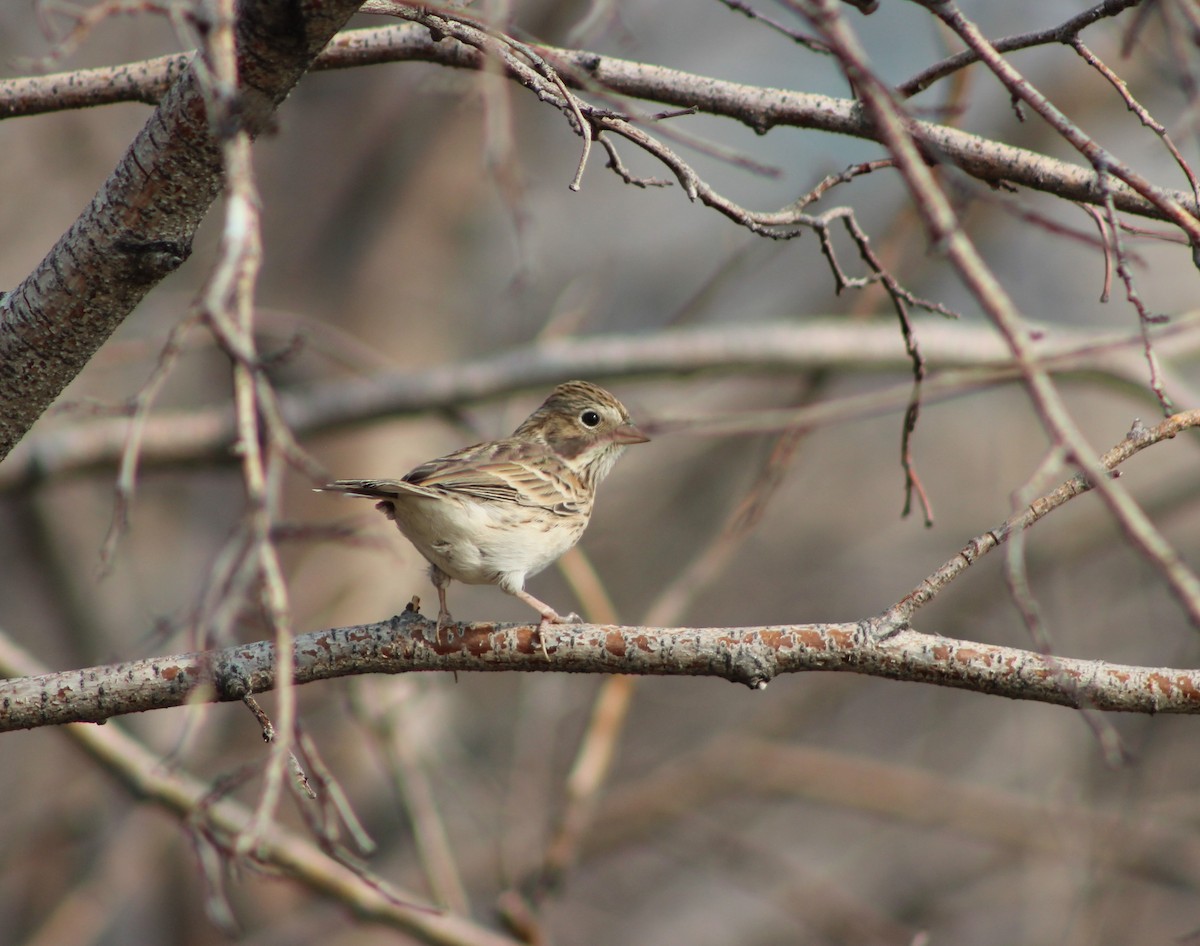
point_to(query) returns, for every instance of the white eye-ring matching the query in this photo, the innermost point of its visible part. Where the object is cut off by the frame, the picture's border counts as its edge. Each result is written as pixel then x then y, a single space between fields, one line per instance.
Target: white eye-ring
pixel 589 418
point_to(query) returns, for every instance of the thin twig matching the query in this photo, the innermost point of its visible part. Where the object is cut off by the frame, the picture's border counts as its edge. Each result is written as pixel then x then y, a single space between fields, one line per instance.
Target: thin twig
pixel 1016 577
pixel 801 39
pixel 1139 110
pixel 1101 159
pixel 1145 318
pixel 139 409
pixel 1138 438
pixel 1063 33
pixel 946 233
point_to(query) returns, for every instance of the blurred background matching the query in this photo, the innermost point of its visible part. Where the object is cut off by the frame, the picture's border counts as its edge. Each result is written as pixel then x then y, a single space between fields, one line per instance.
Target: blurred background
pixel 415 217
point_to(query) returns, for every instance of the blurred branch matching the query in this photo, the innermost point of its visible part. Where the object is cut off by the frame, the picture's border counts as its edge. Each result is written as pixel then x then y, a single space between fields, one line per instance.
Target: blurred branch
pixel 179 437
pixel 393 728
pixel 139 227
pixel 759 108
pixel 884 646
pixel 208 809
pixel 747 767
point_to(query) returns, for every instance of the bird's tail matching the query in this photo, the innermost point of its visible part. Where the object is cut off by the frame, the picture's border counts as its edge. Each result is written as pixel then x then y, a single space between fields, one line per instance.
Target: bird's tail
pixel 368 489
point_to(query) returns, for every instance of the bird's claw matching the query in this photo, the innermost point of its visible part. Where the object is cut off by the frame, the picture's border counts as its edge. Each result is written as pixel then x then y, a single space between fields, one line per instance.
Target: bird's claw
pixel 554 618
pixel 444 620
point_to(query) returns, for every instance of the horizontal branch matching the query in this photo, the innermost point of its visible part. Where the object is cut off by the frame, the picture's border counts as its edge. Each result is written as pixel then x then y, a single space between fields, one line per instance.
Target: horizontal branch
pixel 749 655
pixel 206 434
pixel 758 107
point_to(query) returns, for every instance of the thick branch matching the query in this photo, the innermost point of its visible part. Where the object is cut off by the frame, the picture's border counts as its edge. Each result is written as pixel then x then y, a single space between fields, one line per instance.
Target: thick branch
pixel 884 646
pixel 749 655
pixel 139 226
pixel 759 108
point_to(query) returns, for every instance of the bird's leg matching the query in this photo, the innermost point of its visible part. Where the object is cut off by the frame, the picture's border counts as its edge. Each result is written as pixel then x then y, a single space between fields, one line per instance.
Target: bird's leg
pixel 440 581
pixel 549 615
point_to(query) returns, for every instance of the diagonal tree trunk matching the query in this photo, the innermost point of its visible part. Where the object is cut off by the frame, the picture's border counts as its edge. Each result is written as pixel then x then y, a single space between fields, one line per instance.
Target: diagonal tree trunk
pixel 139 227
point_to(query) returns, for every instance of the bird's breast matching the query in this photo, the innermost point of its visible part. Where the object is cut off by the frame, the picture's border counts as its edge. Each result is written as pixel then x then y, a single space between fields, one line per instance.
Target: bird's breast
pixel 484 542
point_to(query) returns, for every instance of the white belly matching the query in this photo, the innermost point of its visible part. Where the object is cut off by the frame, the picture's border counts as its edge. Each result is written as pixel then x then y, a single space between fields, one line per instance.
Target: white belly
pixel 485 543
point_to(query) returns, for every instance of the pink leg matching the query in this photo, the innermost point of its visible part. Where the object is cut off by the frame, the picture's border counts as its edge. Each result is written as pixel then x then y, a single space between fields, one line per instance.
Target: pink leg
pixel 440 581
pixel 549 615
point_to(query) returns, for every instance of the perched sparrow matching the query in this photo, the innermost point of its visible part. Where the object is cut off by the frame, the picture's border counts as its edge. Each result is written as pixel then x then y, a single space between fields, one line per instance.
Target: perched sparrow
pixel 498 512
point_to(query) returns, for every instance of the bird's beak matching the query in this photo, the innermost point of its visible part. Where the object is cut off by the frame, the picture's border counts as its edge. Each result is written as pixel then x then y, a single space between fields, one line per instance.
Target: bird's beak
pixel 627 433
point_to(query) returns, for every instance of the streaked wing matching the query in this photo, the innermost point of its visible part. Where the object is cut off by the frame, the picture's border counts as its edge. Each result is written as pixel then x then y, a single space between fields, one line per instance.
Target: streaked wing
pixel 508 471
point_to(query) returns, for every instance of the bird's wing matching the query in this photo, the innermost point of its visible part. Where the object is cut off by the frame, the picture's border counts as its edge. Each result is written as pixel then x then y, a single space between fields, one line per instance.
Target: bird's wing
pixel 507 471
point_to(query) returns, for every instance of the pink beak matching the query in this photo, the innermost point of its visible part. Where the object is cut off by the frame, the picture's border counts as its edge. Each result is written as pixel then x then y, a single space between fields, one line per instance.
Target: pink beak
pixel 627 433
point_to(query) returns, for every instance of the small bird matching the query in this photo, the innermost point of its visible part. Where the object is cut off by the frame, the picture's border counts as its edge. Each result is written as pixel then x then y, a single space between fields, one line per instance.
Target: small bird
pixel 498 512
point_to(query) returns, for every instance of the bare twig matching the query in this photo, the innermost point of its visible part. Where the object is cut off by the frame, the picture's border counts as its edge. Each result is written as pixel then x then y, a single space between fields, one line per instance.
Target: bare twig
pixel 1138 438
pixel 1102 226
pixel 82 21
pixel 140 414
pixel 390 723
pixel 944 232
pixel 1063 33
pixel 337 812
pixel 1100 158
pixel 1145 318
pixel 808 42
pixel 1016 576
pixel 1138 109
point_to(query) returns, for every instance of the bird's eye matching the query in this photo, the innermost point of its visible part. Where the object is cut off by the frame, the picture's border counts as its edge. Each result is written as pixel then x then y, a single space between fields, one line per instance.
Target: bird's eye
pixel 589 418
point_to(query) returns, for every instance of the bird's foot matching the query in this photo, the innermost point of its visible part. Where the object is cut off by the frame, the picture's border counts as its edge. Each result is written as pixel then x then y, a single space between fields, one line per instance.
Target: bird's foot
pixel 444 620
pixel 553 617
